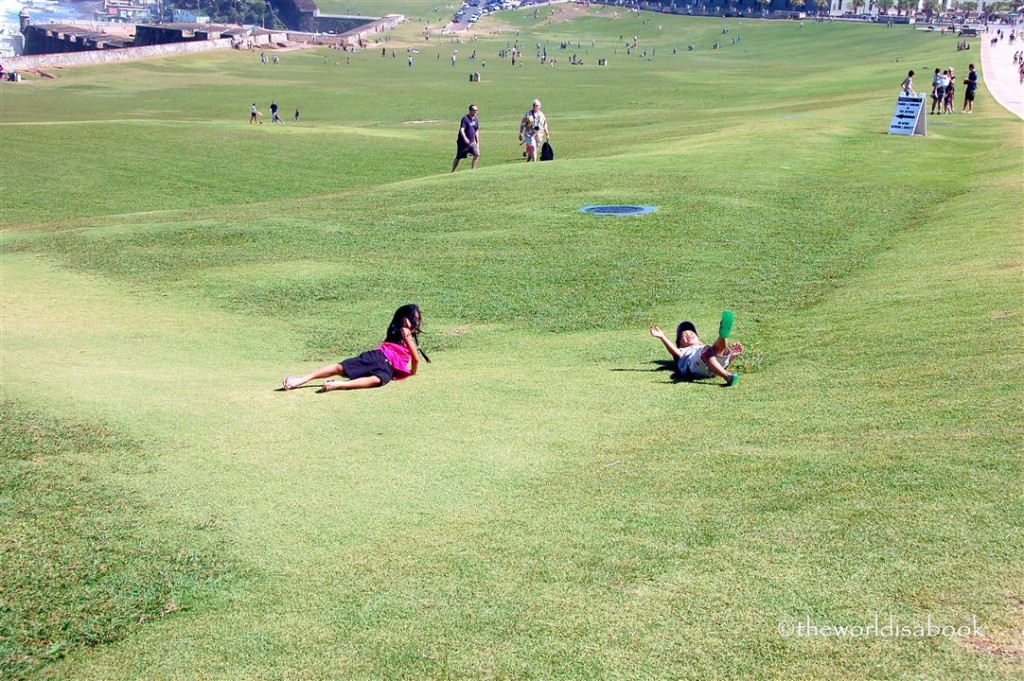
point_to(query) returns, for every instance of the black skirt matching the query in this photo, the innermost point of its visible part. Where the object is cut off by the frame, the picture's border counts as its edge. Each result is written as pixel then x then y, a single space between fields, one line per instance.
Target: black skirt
pixel 370 363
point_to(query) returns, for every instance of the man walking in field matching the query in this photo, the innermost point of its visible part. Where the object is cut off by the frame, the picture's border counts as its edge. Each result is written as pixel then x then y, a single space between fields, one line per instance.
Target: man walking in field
pixel 533 130
pixel 468 141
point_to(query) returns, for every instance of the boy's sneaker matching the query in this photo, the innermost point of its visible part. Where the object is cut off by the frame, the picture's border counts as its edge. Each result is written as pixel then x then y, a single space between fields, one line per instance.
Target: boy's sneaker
pixel 733 380
pixel 725 326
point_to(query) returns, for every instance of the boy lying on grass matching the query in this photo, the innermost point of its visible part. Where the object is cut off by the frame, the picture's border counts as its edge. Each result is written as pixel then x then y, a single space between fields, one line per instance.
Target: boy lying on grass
pixel 694 359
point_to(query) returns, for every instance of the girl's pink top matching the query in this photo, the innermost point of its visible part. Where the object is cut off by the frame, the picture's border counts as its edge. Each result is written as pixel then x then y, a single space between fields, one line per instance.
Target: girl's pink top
pixel 398 357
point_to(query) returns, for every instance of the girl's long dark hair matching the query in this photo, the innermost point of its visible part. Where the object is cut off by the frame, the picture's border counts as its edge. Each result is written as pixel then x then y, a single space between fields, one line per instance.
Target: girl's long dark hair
pixel 406 312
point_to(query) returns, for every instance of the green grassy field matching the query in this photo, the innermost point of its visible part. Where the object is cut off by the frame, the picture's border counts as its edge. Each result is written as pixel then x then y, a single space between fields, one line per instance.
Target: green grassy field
pixel 414 10
pixel 542 501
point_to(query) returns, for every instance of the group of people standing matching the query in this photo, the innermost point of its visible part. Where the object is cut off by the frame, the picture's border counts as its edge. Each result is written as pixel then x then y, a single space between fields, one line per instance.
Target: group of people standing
pixel 533 132
pixel 943 89
pixel 943 86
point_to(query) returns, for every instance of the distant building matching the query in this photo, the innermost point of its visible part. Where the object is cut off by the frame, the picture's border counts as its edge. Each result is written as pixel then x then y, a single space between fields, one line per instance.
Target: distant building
pixel 12 42
pixel 128 11
pixel 189 16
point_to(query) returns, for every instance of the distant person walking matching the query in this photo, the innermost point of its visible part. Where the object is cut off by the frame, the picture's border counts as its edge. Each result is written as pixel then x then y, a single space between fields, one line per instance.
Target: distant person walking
pixel 275 117
pixel 297 114
pixel 468 141
pixel 908 85
pixel 254 114
pixel 971 83
pixel 533 130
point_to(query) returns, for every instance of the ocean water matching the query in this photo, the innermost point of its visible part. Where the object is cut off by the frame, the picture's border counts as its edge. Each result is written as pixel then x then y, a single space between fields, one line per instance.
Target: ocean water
pixel 46 11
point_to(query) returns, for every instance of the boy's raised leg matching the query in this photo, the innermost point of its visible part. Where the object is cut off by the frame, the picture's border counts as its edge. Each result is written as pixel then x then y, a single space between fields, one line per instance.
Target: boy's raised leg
pixel 725 325
pixel 719 348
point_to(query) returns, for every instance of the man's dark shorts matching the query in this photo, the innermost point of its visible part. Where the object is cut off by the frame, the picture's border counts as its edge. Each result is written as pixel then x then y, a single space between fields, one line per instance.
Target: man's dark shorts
pixel 464 150
pixel 370 363
pixel 969 96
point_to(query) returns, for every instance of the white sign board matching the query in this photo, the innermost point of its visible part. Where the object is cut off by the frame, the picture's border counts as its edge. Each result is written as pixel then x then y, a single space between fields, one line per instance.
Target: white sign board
pixel 909 117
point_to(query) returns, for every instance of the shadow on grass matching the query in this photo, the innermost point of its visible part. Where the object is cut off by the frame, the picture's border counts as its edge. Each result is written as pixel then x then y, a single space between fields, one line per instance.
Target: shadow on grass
pixel 676 377
pixel 659 365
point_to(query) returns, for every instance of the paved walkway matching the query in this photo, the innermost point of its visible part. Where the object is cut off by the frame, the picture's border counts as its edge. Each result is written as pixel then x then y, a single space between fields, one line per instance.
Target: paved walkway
pixel 999 73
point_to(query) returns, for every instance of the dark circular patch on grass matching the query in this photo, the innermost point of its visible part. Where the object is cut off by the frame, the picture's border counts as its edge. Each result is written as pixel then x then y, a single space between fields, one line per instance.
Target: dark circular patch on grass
pixel 618 210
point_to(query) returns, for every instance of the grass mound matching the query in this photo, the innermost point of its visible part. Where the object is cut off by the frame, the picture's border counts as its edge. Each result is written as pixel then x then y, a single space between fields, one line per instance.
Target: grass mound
pixel 77 568
pixel 542 501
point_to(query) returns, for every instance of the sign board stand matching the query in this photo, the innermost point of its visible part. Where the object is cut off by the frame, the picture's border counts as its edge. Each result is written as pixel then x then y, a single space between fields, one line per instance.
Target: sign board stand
pixel 909 117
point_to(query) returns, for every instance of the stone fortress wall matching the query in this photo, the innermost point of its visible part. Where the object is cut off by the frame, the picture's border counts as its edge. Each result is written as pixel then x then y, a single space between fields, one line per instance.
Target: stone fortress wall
pixel 75 45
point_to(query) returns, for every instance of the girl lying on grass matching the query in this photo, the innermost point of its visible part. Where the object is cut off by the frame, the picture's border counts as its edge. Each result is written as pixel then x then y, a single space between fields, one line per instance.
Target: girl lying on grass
pixel 396 358
pixel 694 359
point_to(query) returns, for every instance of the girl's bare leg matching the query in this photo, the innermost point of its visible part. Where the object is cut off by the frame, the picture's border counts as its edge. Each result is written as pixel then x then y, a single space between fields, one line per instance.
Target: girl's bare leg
pixel 323 372
pixel 354 384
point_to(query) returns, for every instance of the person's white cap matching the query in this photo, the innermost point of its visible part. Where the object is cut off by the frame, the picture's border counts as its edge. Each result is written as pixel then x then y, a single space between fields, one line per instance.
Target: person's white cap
pixel 536 102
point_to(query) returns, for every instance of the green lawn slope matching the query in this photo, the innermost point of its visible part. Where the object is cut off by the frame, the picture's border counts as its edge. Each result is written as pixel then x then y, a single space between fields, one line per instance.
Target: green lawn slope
pixel 543 500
